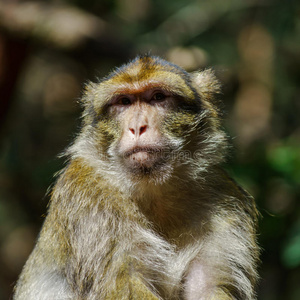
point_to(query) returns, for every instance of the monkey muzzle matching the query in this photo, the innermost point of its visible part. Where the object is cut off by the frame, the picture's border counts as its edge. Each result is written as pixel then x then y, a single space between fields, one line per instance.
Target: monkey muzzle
pixel 143 157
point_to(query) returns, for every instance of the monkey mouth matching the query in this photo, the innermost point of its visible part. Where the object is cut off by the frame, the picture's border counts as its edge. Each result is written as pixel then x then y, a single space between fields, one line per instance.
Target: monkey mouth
pixel 143 157
pixel 147 150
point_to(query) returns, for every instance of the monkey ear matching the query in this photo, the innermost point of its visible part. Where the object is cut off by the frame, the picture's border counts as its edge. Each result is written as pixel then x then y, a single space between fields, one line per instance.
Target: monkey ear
pixel 206 83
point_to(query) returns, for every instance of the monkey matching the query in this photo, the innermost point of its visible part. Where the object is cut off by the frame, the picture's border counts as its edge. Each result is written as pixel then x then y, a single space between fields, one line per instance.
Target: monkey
pixel 143 208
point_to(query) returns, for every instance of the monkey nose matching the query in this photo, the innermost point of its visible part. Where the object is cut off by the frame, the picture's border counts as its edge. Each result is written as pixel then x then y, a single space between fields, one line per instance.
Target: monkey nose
pixel 139 130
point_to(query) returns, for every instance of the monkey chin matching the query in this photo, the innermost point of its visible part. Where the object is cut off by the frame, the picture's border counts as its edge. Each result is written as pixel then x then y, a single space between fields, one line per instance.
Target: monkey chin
pixel 144 161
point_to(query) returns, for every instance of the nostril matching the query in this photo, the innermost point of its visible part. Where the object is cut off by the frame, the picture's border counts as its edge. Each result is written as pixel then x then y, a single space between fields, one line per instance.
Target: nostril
pixel 143 129
pixel 132 130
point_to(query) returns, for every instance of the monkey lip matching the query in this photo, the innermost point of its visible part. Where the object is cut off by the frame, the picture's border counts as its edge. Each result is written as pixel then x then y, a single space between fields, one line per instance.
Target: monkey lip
pixel 145 157
pixel 146 150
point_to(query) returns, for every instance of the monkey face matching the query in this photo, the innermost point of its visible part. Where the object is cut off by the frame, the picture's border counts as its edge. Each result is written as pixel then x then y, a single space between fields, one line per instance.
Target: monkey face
pixel 142 145
pixel 146 112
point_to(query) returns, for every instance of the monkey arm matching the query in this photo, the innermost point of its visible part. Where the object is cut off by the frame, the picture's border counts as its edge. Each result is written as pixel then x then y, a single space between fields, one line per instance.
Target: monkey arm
pixel 131 287
pixel 220 272
pixel 120 260
pixel 43 275
pixel 52 271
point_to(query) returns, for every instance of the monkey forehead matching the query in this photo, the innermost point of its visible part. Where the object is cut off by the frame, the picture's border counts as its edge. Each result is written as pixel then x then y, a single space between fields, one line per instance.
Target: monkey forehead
pixel 132 83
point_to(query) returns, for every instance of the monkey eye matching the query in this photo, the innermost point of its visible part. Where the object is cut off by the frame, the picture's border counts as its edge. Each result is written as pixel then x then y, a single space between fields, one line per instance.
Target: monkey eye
pixel 124 101
pixel 159 96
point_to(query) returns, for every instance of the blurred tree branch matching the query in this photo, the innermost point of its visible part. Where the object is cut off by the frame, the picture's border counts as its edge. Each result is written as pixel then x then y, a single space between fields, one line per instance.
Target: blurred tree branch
pixel 62 27
pixel 194 19
pixel 58 25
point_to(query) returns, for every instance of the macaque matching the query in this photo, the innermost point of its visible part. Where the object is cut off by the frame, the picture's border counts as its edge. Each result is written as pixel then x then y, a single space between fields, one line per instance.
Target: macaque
pixel 143 208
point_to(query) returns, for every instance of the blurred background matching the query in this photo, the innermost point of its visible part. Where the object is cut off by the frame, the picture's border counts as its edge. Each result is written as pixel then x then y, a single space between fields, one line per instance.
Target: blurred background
pixel 49 49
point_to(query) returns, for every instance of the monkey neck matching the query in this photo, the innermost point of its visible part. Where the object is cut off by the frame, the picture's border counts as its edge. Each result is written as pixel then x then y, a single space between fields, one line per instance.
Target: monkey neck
pixel 172 208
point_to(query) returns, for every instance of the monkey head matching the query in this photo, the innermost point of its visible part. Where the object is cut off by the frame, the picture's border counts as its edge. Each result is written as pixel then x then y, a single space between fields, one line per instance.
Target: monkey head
pixel 151 119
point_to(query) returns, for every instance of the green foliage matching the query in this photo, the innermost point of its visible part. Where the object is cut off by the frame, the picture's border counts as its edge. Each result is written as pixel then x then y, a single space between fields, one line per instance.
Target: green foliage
pixel 285 159
pixel 291 250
